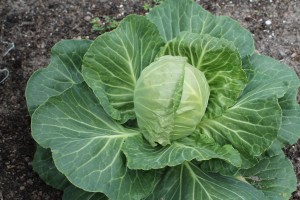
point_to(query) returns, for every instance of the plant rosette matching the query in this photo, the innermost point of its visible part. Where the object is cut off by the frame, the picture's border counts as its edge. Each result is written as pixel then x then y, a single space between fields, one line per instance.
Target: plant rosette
pixel 172 105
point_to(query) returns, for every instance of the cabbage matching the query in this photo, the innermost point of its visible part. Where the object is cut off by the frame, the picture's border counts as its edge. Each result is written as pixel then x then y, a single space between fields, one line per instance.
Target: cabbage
pixel 172 105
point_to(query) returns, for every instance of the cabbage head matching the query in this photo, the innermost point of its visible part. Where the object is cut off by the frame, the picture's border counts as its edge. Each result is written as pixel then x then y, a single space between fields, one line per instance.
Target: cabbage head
pixel 170 98
pixel 175 105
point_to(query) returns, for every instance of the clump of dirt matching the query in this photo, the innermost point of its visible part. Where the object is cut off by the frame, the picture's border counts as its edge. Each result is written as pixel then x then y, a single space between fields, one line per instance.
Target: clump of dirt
pixel 28 29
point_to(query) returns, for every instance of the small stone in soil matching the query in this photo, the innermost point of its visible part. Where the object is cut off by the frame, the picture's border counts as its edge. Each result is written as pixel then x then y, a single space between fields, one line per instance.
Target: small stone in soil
pixel 268 22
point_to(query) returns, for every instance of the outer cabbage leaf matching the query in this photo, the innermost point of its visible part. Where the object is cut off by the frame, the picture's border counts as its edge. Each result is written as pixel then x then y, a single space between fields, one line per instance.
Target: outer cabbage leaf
pixel 62 73
pixel 188 181
pixel 219 166
pixel 175 16
pixel 86 144
pixel 43 164
pixel 74 193
pixel 289 132
pixel 141 155
pixel 252 124
pixel 220 62
pixel 115 60
pixel 265 69
pixel 274 176
pixel 275 148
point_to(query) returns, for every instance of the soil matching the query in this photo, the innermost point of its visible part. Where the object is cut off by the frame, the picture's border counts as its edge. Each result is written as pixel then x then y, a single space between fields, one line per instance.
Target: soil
pixel 29 28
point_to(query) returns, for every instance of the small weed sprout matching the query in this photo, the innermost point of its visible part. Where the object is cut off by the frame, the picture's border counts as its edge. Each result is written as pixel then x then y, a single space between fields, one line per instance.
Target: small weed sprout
pixel 106 24
pixel 148 7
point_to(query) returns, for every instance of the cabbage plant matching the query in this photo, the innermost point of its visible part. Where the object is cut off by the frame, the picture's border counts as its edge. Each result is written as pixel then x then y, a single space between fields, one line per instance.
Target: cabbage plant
pixel 172 105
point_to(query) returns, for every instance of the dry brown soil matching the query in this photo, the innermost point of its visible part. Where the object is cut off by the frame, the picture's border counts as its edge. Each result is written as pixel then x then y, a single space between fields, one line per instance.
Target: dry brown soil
pixel 34 26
